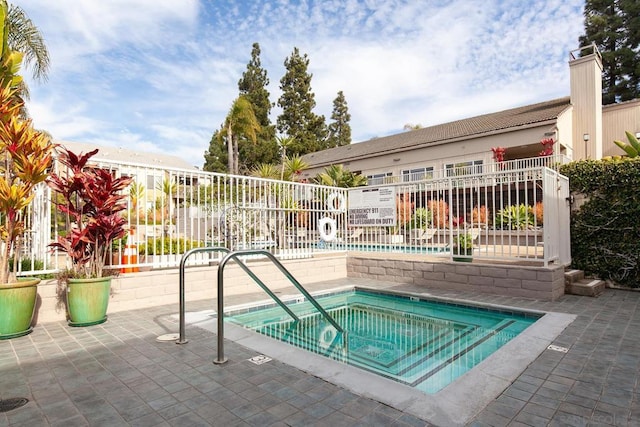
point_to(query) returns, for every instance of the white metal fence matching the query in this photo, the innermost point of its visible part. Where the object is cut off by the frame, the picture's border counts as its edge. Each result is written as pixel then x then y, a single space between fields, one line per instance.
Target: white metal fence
pixel 510 214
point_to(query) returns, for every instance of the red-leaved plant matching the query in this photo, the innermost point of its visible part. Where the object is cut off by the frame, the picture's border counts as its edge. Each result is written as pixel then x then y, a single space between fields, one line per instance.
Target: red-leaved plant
pixel 92 199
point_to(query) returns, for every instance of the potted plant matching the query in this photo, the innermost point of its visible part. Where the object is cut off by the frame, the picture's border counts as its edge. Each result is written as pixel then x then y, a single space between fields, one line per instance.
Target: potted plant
pixel 25 155
pixel 92 200
pixel 462 249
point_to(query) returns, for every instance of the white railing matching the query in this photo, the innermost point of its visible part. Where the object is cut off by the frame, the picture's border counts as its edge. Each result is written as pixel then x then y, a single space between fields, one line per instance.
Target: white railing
pixel 551 162
pixel 512 214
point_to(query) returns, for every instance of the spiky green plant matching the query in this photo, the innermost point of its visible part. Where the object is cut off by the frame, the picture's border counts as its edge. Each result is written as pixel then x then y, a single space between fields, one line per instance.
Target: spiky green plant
pixel 632 148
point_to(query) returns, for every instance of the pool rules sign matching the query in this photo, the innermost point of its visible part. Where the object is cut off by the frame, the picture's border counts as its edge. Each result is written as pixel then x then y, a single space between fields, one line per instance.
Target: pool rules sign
pixel 372 207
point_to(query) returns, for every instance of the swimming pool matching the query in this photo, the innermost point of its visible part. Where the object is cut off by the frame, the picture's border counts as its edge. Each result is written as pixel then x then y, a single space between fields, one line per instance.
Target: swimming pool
pixel 417 342
pixel 400 249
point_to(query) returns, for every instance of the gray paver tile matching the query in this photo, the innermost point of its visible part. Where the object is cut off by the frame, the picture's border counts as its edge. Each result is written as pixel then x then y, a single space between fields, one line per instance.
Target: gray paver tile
pixel 532 419
pixel 595 383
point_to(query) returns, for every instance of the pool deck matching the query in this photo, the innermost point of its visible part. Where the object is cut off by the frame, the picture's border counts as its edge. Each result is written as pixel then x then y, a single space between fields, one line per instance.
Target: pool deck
pixel 117 373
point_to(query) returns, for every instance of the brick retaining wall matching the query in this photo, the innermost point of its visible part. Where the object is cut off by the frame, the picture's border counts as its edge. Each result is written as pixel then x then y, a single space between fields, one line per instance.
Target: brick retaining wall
pixel 543 283
pixel 158 287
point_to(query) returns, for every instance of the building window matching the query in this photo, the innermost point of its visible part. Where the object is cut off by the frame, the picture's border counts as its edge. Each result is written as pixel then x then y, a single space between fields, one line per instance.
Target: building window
pixel 417 174
pixel 378 178
pixel 153 181
pixel 464 168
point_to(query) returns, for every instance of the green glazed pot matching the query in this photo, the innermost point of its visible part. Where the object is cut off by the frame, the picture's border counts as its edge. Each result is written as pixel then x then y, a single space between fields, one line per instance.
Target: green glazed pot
pixel 87 300
pixel 17 305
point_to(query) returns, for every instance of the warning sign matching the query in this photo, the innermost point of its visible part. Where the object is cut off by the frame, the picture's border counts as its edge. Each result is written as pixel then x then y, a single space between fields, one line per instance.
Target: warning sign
pixel 372 207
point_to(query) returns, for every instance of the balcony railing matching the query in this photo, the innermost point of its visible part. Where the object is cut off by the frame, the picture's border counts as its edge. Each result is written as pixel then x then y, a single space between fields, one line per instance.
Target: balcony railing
pixel 551 162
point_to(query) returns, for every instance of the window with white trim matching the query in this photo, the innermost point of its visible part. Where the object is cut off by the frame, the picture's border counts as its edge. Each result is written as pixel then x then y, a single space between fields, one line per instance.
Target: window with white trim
pixel 417 174
pixel 463 168
pixel 378 178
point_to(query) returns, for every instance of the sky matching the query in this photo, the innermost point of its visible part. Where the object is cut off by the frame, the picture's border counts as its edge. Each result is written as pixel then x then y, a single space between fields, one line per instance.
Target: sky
pixel 161 75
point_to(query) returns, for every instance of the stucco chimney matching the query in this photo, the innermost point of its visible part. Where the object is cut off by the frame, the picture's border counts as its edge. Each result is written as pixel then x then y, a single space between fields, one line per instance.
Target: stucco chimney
pixel 585 68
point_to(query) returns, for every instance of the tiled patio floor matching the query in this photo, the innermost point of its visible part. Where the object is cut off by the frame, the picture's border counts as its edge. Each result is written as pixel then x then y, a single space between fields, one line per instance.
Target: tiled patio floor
pixel 117 373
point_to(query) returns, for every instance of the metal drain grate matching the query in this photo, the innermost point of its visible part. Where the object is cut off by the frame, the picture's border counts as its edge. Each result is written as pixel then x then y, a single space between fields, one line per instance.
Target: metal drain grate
pixel 10 404
pixel 558 348
pixel 260 359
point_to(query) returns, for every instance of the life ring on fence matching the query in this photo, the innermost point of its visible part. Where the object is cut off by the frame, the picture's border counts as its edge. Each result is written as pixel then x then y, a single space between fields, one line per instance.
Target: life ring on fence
pixel 326 337
pixel 331 202
pixel 327 229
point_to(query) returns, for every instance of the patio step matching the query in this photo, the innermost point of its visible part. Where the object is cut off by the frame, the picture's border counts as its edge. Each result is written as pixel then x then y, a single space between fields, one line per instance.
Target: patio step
pixel 576 284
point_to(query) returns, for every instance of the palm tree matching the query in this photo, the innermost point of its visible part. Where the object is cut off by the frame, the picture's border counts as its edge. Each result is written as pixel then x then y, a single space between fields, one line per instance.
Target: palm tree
pixel 338 176
pixel 167 189
pixel 265 170
pixel 293 167
pixel 23 36
pixel 284 142
pixel 136 194
pixel 240 122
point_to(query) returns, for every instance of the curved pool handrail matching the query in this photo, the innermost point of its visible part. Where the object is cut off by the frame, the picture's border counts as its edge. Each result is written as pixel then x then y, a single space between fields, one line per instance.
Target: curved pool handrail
pixel 183 261
pixel 182 339
pixel 234 255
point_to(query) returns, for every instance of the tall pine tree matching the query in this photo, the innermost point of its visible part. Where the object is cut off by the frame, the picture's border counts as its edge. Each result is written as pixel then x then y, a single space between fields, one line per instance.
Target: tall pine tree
pixel 253 85
pixel 339 128
pixel 297 120
pixel 215 158
pixel 614 26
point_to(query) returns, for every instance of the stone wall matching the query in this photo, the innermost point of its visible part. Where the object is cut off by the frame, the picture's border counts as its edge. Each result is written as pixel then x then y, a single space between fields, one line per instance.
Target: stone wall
pixel 543 283
pixel 158 287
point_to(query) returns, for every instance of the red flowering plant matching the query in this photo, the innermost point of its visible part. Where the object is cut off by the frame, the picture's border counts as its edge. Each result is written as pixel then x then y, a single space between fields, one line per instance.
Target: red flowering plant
pixel 547 144
pixel 498 154
pixel 92 200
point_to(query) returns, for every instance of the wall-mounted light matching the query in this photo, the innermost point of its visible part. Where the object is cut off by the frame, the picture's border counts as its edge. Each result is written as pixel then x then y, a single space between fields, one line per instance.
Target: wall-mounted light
pixel 585 137
pixel 637 134
pixel 396 160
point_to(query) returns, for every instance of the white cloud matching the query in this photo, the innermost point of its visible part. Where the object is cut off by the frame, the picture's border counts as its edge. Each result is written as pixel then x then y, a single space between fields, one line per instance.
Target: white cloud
pixel 161 75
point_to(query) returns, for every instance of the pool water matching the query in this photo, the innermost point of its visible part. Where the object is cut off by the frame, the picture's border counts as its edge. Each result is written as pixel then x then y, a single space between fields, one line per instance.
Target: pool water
pixel 420 343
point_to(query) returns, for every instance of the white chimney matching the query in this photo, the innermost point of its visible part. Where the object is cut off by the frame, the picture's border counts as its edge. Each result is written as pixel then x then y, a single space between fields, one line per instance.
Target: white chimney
pixel 585 68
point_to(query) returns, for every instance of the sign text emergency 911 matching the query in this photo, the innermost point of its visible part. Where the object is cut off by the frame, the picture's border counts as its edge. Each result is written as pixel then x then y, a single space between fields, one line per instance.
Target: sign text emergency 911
pixel 372 207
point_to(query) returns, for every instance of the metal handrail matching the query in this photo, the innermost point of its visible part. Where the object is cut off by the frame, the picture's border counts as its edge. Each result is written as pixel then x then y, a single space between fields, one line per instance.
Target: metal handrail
pixel 183 260
pixel 234 255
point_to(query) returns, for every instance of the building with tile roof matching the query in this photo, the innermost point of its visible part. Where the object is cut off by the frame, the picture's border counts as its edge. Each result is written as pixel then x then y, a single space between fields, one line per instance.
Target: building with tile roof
pixel 580 126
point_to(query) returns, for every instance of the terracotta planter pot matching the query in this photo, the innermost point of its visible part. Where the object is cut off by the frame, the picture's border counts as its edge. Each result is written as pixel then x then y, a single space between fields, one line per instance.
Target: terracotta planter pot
pixel 17 305
pixel 87 300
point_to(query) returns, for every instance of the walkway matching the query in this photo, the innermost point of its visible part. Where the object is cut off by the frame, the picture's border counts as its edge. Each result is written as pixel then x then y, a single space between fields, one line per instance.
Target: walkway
pixel 119 374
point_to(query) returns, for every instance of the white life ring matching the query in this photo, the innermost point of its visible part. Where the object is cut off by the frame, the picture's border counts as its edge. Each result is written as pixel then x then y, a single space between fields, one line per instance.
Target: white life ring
pixel 326 337
pixel 327 229
pixel 331 203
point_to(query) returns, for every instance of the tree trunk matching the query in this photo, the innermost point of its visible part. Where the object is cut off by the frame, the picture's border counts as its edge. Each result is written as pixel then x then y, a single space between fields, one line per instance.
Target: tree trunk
pixel 230 149
pixel 236 156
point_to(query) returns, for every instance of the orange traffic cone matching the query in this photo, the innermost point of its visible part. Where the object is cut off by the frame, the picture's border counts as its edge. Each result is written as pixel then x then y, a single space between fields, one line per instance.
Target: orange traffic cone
pixel 130 256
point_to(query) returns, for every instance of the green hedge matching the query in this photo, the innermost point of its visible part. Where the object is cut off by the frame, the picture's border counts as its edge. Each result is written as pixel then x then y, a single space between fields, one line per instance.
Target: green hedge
pixel 163 246
pixel 605 231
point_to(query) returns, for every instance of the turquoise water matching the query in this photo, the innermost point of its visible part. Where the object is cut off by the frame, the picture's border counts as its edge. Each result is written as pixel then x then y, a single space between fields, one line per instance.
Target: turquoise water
pixel 420 343
pixel 400 249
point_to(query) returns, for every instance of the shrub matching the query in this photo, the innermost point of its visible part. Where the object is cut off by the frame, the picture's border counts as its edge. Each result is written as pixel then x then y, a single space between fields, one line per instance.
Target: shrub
pixel 480 216
pixel 440 212
pixel 422 218
pixel 25 264
pixel 605 238
pixel 166 246
pixel 538 213
pixel 515 217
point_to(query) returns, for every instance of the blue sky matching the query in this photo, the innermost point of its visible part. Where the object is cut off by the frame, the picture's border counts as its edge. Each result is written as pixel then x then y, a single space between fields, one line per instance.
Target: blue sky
pixel 160 75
